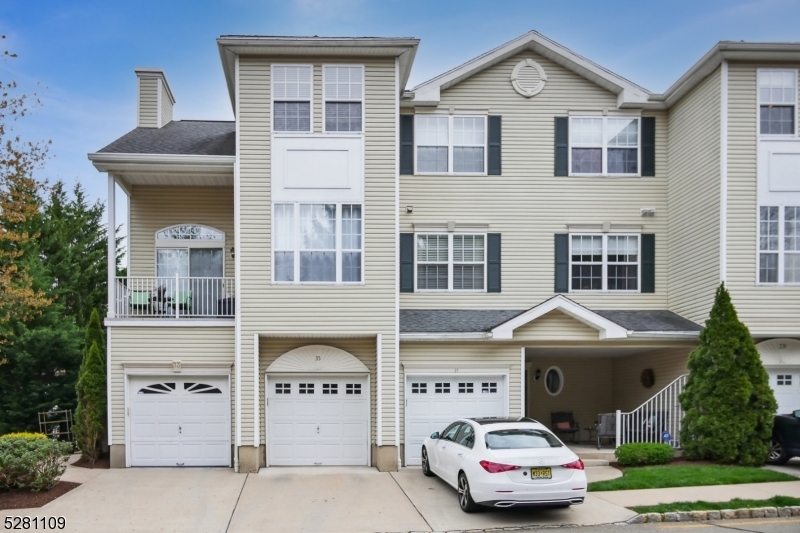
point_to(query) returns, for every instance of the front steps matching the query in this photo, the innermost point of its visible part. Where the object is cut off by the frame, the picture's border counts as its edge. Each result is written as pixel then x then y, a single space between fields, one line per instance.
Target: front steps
pixel 591 456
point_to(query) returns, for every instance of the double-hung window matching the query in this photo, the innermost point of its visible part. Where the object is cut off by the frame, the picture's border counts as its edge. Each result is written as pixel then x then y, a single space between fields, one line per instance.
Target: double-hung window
pixel 777 101
pixel 604 146
pixel 344 98
pixel 450 144
pixel 451 262
pixel 779 245
pixel 604 262
pixel 291 98
pixel 317 243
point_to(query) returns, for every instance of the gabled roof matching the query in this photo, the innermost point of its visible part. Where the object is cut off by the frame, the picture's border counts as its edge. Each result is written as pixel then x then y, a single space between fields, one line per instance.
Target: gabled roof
pixel 179 137
pixel 500 324
pixel 429 92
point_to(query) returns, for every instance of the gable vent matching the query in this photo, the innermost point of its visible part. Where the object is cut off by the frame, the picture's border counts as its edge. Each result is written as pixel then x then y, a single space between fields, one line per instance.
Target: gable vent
pixel 528 78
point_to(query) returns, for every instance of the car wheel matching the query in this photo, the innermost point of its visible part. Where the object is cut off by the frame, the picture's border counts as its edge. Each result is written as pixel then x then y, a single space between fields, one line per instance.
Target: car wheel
pixel 777 453
pixel 465 500
pixel 426 465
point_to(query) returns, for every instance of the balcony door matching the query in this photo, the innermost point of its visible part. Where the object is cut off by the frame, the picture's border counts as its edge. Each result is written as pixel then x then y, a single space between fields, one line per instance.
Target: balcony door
pixel 190 266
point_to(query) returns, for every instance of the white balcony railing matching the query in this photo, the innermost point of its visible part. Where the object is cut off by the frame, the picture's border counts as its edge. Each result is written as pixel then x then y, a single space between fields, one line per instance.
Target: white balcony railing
pixel 174 297
pixel 655 419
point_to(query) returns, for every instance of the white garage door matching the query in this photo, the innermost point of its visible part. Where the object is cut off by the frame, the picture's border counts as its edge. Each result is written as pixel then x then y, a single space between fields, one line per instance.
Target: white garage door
pixel 432 402
pixel 179 422
pixel 318 420
pixel 785 383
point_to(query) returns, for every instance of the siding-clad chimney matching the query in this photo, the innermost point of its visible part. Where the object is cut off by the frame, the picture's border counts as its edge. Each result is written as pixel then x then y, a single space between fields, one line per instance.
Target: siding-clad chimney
pixel 155 100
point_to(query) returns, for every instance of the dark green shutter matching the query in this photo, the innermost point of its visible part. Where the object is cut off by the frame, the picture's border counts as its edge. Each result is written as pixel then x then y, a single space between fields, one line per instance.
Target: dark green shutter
pixel 493 267
pixel 648 146
pixel 495 166
pixel 648 262
pixel 562 146
pixel 406 262
pixel 407 144
pixel 562 262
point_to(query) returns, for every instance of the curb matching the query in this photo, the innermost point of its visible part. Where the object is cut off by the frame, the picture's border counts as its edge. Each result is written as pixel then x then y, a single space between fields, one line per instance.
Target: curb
pixel 725 514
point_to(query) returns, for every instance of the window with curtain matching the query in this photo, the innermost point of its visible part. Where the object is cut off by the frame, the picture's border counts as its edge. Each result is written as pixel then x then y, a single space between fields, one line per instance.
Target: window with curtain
pixel 317 243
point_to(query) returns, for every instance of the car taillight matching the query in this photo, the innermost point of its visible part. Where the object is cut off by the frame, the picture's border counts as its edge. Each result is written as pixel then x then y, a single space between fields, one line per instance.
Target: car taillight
pixel 496 468
pixel 575 465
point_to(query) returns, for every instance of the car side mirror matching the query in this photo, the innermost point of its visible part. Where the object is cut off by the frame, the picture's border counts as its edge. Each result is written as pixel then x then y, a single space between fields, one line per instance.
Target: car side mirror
pixel 435 435
pixel 796 413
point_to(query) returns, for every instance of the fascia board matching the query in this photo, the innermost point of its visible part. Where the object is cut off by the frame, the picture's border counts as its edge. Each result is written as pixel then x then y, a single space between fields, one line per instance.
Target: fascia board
pixel 606 328
pixel 468 336
pixel 219 160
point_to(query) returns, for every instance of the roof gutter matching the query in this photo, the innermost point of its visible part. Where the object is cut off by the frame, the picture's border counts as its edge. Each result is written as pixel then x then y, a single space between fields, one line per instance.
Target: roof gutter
pixel 163 159
pixel 464 336
pixel 660 335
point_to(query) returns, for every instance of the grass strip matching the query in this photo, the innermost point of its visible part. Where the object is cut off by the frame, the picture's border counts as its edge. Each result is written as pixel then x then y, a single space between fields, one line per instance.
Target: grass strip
pixel 665 476
pixel 775 501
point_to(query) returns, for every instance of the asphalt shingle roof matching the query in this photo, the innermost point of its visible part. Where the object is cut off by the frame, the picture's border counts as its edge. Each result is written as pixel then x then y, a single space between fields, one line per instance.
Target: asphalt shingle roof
pixel 179 137
pixel 471 321
pixel 650 320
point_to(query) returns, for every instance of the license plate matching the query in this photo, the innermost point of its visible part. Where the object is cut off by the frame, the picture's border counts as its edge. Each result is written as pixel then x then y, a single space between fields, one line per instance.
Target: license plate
pixel 541 473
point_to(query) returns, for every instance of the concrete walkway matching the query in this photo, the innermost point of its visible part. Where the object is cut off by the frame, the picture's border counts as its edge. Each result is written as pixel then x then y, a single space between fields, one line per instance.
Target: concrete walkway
pixel 327 499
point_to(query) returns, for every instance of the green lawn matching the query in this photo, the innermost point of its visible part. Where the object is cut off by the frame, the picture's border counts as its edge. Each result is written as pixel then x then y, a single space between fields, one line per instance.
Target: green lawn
pixel 775 501
pixel 658 477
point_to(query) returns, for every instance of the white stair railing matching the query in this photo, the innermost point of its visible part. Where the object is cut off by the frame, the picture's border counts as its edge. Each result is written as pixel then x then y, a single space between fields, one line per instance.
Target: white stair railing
pixel 649 422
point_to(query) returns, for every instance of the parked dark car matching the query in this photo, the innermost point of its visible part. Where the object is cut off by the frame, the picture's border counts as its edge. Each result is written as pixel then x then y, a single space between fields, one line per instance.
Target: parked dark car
pixel 785 442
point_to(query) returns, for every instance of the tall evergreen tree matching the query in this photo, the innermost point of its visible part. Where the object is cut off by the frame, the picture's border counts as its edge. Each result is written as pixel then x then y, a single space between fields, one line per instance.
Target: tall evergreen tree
pixel 90 414
pixel 728 402
pixel 94 334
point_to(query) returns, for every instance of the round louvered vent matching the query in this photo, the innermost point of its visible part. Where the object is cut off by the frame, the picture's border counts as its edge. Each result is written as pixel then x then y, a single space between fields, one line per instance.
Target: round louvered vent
pixel 528 78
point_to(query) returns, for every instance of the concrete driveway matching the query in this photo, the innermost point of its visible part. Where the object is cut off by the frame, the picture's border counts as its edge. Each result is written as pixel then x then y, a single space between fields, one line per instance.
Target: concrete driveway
pixel 321 499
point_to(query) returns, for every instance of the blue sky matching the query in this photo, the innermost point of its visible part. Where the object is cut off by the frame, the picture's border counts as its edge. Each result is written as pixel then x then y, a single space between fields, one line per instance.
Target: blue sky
pixel 80 54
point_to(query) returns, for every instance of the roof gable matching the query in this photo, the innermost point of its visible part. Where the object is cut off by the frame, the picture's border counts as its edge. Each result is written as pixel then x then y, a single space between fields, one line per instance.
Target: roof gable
pixel 429 92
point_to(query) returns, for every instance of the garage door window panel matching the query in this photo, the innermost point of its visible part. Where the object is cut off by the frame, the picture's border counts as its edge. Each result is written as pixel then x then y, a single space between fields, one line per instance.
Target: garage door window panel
pixel 441 388
pixel 330 388
pixel 306 388
pixel 158 388
pixel 353 388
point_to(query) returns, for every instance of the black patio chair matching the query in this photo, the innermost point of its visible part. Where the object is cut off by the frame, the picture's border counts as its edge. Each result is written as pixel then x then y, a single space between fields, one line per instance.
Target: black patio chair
pixel 563 422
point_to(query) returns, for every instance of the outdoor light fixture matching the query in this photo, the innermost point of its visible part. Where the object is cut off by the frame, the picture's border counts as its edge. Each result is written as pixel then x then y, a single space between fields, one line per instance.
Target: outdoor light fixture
pixel 233 254
pixel 538 374
pixel 409 209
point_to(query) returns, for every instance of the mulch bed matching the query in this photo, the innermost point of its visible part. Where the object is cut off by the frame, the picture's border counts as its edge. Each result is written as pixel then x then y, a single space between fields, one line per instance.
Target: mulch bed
pixel 24 498
pixel 103 462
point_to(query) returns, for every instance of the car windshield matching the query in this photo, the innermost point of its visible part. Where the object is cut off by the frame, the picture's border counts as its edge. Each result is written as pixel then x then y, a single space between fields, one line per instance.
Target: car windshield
pixel 517 439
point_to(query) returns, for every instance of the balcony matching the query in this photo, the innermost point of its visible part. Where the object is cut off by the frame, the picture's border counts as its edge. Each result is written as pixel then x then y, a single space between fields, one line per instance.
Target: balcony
pixel 174 298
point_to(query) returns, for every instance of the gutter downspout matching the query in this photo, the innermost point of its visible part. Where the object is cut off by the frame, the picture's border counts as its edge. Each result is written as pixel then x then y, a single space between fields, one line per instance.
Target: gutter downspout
pixel 723 170
pixel 397 261
pixel 237 268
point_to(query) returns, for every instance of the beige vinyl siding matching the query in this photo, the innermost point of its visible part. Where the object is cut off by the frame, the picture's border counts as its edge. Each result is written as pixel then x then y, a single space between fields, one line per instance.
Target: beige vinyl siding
pixel 148 103
pixel 586 391
pixel 667 364
pixel 318 310
pixel 444 355
pixel 767 310
pixel 363 349
pixel 555 326
pixel 162 345
pixel 166 105
pixel 153 208
pixel 694 200
pixel 528 204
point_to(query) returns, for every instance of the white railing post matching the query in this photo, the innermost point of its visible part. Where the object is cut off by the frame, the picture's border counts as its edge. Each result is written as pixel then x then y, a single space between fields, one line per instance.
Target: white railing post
pixel 619 429
pixel 177 297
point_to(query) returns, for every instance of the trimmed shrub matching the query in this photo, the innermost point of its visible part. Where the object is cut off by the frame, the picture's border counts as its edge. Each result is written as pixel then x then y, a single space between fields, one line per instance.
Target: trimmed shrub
pixel 23 435
pixel 728 402
pixel 94 333
pixel 644 453
pixel 90 415
pixel 29 461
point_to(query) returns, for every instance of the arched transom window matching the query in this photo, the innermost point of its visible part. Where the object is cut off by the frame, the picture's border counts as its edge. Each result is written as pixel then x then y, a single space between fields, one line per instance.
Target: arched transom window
pixel 190 250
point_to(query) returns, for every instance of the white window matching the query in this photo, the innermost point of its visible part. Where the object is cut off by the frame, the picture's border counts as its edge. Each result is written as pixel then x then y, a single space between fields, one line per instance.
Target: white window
pixel 777 101
pixel 450 262
pixel 317 243
pixel 779 245
pixel 604 263
pixel 343 88
pixel 604 146
pixel 291 98
pixel 450 144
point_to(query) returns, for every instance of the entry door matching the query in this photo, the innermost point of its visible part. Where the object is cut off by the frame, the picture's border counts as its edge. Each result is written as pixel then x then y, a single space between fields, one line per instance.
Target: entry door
pixel 785 383
pixel 318 420
pixel 433 402
pixel 179 421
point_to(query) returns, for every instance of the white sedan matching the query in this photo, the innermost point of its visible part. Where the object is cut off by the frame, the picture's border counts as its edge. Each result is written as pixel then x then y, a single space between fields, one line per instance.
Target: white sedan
pixel 504 463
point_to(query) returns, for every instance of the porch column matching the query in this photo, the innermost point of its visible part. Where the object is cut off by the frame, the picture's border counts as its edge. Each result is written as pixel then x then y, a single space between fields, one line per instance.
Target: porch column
pixel 112 245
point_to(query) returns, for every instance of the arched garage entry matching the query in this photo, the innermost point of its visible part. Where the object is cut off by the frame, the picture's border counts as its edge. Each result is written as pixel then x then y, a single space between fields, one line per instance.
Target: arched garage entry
pixel 317 408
